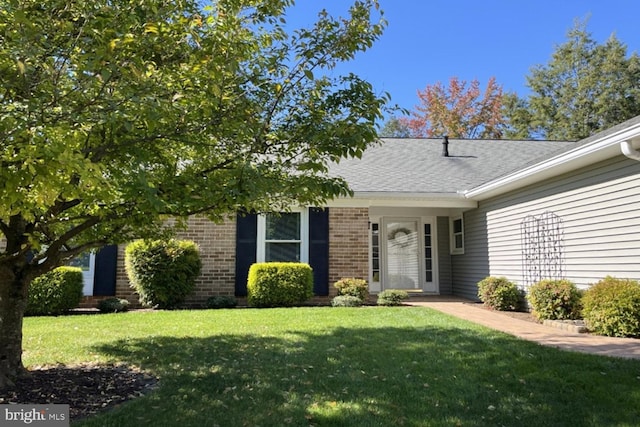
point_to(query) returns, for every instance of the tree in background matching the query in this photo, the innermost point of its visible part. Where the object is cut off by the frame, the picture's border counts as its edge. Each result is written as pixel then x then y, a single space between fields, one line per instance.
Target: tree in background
pixel 586 87
pixel 460 110
pixel 395 127
pixel 116 115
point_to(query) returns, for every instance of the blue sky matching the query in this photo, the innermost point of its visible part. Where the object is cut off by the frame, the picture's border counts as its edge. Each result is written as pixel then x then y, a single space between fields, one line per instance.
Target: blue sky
pixel 431 40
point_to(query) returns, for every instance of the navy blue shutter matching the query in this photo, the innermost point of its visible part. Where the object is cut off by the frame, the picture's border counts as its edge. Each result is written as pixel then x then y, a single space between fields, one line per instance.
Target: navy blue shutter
pixel 319 249
pixel 246 244
pixel 104 278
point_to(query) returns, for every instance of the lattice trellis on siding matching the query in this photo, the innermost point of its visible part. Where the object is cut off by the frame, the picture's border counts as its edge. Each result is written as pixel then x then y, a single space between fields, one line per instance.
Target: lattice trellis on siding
pixel 542 247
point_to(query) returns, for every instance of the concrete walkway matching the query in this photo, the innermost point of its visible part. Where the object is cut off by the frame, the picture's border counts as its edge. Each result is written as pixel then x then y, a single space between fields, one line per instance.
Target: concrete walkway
pixel 545 335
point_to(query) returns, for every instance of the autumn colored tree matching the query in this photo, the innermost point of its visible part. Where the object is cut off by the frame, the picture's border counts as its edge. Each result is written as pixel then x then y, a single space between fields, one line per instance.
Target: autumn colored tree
pixel 460 110
pixel 116 115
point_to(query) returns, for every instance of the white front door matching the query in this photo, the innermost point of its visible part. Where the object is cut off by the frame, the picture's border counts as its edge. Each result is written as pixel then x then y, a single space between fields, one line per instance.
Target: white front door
pixel 408 254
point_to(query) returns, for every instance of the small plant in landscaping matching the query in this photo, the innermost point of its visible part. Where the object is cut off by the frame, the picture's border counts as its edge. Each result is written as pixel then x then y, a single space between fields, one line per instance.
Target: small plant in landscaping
pixel 354 287
pixel 222 301
pixel 612 307
pixel 498 293
pixel 392 297
pixel 55 292
pixel 162 272
pixel 279 284
pixel 555 299
pixel 113 305
pixel 346 301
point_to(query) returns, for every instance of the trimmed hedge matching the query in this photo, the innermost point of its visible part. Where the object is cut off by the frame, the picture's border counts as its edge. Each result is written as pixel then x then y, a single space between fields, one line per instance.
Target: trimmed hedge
pixel 163 272
pixel 392 297
pixel 498 293
pixel 351 286
pixel 612 307
pixel 55 292
pixel 555 299
pixel 279 284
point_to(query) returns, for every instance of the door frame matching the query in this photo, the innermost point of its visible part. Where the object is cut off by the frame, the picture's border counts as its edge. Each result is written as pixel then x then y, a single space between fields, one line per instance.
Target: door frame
pixel 432 287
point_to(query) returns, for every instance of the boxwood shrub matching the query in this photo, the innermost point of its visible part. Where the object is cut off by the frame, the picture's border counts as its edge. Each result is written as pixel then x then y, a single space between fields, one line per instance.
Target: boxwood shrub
pixel 612 307
pixel 55 292
pixel 498 293
pixel 392 297
pixel 555 299
pixel 279 284
pixel 113 305
pixel 346 301
pixel 162 272
pixel 351 286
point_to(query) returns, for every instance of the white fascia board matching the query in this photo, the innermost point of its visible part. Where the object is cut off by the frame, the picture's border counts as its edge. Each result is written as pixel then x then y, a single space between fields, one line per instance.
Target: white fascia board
pixel 590 153
pixel 422 200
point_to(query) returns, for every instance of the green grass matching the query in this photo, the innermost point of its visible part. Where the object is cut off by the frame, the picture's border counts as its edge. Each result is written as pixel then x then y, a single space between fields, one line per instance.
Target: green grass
pixel 372 366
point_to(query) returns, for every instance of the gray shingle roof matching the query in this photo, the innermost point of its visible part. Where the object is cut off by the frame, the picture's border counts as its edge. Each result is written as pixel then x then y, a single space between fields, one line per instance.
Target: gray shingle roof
pixel 417 165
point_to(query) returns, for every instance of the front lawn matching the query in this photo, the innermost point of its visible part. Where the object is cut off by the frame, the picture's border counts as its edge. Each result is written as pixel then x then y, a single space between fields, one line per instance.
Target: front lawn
pixel 371 366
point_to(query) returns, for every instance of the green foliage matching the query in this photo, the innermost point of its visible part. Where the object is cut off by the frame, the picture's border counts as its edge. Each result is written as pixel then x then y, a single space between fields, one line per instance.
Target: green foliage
pixel 55 292
pixel 222 301
pixel 395 128
pixel 354 287
pixel 555 299
pixel 346 301
pixel 392 297
pixel 279 284
pixel 163 273
pixel 113 305
pixel 498 293
pixel 115 114
pixel 612 307
pixel 586 87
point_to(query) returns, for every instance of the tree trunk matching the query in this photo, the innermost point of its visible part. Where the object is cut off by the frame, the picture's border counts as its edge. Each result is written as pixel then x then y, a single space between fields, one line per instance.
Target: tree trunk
pixel 13 301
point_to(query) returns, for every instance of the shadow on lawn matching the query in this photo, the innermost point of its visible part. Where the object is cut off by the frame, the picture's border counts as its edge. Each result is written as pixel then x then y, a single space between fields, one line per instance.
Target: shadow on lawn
pixel 367 377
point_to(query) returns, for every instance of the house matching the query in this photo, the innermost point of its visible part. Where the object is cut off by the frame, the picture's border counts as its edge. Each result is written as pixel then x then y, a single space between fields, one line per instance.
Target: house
pixel 435 216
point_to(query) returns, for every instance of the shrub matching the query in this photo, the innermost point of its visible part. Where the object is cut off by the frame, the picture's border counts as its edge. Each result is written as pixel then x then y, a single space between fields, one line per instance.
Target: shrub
pixel 113 305
pixel 279 284
pixel 354 287
pixel 222 301
pixel 55 292
pixel 555 299
pixel 392 297
pixel 498 293
pixel 162 272
pixel 346 301
pixel 612 307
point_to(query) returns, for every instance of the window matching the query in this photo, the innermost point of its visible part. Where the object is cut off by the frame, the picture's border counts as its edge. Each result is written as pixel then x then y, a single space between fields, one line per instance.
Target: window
pixel 457 235
pixel 283 237
pixel 375 252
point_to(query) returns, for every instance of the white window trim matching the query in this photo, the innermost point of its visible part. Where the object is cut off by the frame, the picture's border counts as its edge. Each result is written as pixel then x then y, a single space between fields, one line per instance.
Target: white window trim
pixel 453 249
pixel 304 235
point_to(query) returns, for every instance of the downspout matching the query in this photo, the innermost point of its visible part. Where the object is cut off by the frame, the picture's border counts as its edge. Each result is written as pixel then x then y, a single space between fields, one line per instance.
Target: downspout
pixel 629 151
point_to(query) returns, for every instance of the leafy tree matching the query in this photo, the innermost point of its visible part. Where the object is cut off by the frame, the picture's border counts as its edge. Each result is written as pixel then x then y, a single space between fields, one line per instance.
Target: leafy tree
pixel 116 115
pixel 459 110
pixel 395 128
pixel 586 87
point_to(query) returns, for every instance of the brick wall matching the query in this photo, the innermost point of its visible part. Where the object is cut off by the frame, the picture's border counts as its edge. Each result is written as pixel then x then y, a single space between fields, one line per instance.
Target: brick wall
pixel 348 244
pixel 217 244
pixel 348 254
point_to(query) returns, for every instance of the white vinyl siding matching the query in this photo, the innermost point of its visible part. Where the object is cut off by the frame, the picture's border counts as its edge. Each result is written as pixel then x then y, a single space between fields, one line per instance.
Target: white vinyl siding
pixel 600 211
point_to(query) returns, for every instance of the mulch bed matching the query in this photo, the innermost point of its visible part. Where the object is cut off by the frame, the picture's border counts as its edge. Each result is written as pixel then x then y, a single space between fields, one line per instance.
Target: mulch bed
pixel 87 389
